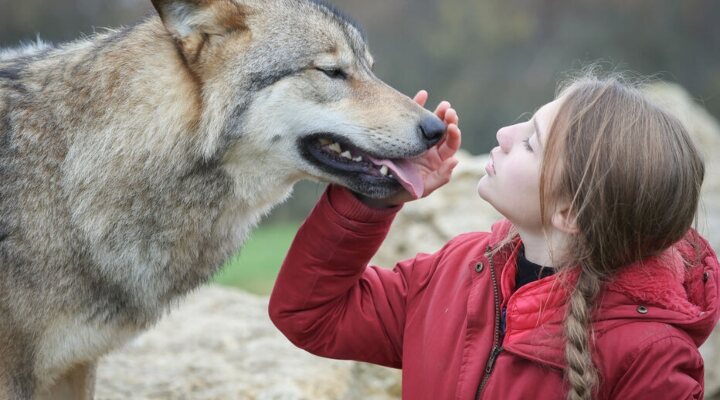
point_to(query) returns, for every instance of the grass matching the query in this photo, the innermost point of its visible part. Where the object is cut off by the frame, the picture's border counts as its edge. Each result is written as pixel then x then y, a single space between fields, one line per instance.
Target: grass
pixel 255 268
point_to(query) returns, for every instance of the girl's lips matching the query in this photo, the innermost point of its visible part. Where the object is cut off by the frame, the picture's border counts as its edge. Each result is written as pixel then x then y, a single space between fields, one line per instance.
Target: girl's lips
pixel 490 168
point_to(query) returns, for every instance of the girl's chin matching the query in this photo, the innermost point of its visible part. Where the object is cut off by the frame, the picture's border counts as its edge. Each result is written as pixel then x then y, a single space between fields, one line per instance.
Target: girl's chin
pixel 482 189
pixel 485 193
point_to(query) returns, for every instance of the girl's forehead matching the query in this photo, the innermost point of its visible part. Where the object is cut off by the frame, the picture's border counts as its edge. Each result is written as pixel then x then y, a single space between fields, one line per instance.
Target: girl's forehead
pixel 545 116
pixel 548 111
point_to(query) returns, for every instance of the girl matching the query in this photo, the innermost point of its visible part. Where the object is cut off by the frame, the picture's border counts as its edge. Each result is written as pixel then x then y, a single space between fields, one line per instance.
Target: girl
pixel 594 287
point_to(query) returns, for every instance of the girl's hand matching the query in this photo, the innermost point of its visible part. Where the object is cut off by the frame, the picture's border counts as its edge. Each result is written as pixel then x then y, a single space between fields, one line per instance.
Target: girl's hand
pixel 437 163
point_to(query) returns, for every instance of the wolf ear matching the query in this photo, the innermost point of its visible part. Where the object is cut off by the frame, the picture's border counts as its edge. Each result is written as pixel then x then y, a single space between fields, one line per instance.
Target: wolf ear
pixel 191 21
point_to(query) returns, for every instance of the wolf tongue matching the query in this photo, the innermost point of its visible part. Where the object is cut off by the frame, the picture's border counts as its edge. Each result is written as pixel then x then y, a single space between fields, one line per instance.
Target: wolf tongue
pixel 406 173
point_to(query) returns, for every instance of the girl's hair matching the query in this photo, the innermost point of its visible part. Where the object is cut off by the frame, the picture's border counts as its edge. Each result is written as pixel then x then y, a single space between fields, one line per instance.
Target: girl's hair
pixel 631 176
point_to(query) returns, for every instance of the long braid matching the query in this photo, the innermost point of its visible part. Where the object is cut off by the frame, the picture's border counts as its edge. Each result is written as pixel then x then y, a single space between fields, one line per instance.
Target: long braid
pixel 581 372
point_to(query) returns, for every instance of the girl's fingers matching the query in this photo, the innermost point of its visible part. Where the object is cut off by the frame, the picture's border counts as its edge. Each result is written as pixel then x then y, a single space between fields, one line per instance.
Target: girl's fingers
pixel 452 142
pixel 451 117
pixel 441 109
pixel 454 137
pixel 421 97
pixel 441 176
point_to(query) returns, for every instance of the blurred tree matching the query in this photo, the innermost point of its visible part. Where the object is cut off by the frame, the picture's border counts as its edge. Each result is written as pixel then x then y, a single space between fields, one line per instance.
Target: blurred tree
pixel 496 60
pixel 63 20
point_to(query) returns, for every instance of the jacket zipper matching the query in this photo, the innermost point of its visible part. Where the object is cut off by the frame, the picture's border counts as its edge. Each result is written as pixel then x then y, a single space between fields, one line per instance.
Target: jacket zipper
pixel 496 349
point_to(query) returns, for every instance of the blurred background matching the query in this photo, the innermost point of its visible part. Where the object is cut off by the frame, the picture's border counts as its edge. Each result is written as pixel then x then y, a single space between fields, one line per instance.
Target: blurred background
pixel 495 60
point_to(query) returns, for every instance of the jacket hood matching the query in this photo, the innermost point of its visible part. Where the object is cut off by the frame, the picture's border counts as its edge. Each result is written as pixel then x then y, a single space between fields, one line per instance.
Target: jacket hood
pixel 682 282
pixel 678 287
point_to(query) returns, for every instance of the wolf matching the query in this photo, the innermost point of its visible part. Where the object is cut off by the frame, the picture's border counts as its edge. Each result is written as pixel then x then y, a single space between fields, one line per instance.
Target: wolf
pixel 134 163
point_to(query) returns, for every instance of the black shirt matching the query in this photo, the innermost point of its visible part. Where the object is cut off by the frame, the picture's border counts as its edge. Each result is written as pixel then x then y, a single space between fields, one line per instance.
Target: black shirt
pixel 528 271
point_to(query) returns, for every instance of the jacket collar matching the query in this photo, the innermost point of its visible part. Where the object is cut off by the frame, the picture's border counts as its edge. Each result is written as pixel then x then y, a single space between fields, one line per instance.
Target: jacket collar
pixel 678 287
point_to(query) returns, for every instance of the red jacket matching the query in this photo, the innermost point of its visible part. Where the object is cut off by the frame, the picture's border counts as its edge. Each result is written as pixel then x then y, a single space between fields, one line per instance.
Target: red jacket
pixel 437 316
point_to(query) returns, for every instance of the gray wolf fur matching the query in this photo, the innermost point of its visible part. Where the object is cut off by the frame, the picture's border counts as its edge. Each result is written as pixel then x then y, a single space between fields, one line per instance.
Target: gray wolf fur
pixel 134 163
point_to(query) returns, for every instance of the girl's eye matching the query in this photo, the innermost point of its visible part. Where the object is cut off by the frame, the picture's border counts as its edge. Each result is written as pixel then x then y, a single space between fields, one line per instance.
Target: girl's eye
pixel 526 142
pixel 334 73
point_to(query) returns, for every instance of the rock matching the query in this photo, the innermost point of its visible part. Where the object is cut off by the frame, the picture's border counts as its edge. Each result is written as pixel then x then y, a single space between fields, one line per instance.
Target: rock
pixel 220 344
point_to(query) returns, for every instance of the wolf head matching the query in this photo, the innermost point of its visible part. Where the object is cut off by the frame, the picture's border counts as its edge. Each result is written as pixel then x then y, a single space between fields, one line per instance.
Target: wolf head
pixel 290 82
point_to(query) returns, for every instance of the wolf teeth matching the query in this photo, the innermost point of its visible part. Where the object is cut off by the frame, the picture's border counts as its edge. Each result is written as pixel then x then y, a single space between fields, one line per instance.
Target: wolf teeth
pixel 384 170
pixel 335 147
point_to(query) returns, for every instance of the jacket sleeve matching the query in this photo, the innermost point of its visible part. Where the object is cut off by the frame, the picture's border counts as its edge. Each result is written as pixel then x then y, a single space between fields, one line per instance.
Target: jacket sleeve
pixel 326 299
pixel 669 368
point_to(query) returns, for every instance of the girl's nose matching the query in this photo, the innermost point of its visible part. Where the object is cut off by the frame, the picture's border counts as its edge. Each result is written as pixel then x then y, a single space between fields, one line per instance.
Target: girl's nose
pixel 504 139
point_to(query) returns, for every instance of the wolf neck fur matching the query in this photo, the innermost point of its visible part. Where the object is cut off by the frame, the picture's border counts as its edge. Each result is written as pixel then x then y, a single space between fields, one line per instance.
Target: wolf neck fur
pixel 188 214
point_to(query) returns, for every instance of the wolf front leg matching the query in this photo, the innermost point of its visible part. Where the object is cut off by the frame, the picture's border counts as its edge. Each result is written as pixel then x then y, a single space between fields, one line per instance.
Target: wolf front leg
pixel 76 384
pixel 17 378
pixel 14 386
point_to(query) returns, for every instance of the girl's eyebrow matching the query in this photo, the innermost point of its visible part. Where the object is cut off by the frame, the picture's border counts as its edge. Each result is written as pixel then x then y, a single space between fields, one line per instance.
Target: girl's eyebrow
pixel 537 129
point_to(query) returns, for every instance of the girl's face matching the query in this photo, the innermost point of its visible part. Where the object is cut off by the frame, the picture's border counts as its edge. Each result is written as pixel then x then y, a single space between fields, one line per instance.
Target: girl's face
pixel 512 182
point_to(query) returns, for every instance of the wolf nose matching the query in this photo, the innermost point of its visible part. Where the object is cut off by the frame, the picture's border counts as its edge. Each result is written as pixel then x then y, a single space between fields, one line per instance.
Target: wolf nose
pixel 432 130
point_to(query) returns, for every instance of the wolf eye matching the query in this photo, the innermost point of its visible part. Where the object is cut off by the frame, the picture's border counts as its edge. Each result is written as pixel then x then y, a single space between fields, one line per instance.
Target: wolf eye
pixel 333 73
